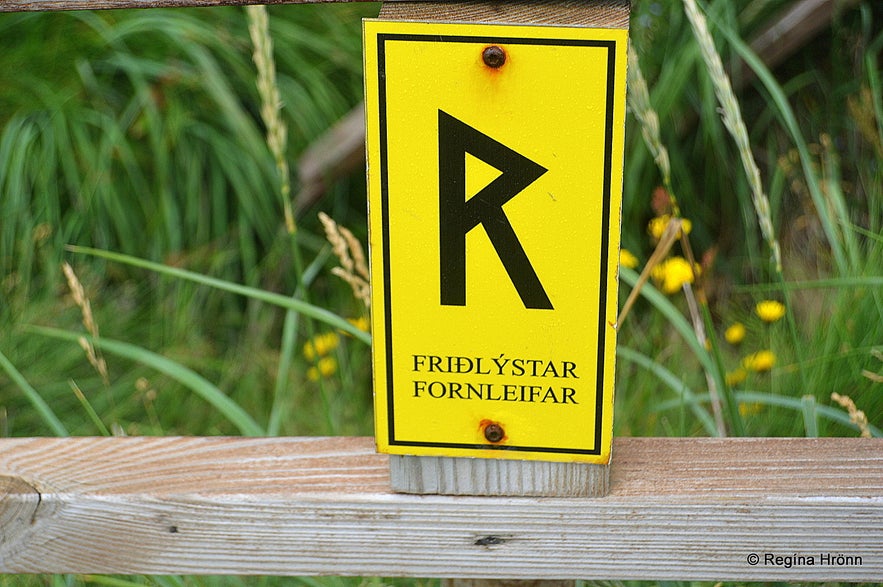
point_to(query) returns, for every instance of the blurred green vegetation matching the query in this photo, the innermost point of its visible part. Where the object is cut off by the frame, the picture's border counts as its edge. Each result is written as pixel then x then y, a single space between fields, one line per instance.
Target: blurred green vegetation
pixel 831 88
pixel 138 132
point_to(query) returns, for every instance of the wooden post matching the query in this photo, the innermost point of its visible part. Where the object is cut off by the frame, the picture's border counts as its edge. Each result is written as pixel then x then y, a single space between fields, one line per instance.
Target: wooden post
pixel 448 473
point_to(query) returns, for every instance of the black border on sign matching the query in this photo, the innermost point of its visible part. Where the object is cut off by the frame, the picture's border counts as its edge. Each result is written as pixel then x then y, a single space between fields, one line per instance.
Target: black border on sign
pixel 382 39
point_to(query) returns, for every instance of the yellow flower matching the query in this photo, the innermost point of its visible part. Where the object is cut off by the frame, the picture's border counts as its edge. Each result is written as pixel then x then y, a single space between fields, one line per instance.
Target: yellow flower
pixel 736 377
pixel 320 345
pixel 750 409
pixel 361 323
pixel 760 361
pixel 626 259
pixel 657 225
pixel 770 310
pixel 735 333
pixel 673 273
pixel 324 368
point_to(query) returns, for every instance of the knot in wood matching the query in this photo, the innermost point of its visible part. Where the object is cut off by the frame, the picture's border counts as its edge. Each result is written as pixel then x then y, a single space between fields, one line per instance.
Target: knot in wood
pixel 19 501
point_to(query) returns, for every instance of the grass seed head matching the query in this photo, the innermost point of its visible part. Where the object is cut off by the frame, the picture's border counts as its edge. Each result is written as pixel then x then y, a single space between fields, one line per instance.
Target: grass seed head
pixel 856 416
pixel 78 293
pixel 348 250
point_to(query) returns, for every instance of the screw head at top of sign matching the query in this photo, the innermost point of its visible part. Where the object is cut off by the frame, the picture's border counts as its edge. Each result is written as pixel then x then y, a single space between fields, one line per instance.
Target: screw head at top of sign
pixel 494 56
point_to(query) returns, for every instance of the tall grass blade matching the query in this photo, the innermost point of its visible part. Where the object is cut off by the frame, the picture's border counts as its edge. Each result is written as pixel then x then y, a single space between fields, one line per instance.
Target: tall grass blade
pixel 32 396
pixel 185 376
pixel 271 104
pixel 735 124
pixel 876 91
pixel 843 246
pixel 686 395
pixel 769 399
pixel 286 352
pixel 286 356
pixel 674 317
pixel 810 416
pixel 297 305
pixel 109 581
pixel 845 283
pixel 648 119
pixel 90 411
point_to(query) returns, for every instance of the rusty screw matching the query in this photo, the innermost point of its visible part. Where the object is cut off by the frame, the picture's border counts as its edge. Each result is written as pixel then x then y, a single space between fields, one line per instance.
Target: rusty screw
pixel 494 56
pixel 494 433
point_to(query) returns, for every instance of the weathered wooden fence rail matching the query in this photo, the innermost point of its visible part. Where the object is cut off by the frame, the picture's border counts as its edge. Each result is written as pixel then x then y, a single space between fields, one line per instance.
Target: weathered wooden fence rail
pixel 809 509
pixel 749 509
pixel 55 5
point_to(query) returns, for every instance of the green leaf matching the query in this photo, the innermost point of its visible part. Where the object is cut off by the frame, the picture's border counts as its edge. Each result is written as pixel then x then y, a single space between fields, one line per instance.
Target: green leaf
pixel 686 394
pixel 31 394
pixel 831 209
pixel 315 312
pixel 674 317
pixel 771 399
pixel 810 415
pixel 183 375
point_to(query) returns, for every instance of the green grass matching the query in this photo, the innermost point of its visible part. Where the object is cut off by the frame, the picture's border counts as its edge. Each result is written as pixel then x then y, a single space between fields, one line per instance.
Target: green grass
pixel 810 158
pixel 131 146
pixel 143 139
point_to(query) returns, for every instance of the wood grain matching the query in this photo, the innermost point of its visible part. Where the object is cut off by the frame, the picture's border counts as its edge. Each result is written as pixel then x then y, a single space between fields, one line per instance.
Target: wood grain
pixel 677 509
pixel 57 5
pixel 465 476
pixel 575 7
pixel 590 13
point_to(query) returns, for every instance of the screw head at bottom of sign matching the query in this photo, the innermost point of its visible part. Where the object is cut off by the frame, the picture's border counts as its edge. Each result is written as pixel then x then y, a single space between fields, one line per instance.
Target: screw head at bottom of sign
pixel 493 432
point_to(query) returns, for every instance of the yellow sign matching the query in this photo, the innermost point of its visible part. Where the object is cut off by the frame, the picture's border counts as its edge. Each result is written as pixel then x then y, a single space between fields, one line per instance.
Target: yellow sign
pixel 495 181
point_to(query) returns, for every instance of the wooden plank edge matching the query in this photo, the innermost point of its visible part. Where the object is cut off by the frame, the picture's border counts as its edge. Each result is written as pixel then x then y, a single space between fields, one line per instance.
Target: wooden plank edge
pixel 63 5
pixel 677 509
pixel 591 13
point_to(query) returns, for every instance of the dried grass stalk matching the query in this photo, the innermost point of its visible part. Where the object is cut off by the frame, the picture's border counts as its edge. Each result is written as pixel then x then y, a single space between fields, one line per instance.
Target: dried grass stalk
pixel 271 104
pixel 353 266
pixel 731 115
pixel 639 104
pixel 856 416
pixel 78 293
